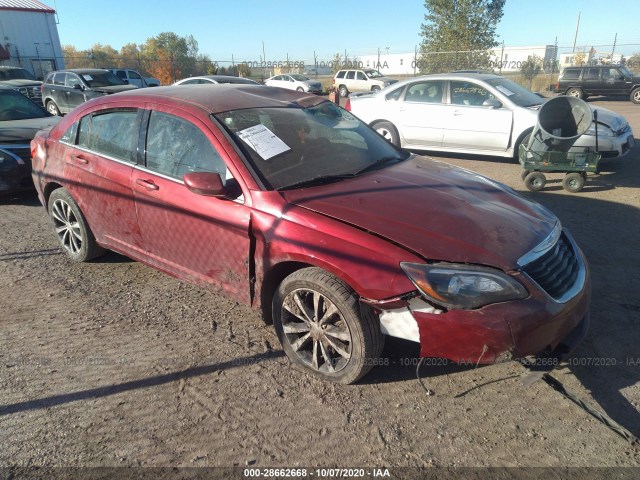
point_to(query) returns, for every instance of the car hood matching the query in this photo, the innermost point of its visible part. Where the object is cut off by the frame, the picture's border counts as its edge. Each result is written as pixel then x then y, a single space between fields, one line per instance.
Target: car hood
pixel 114 88
pixel 16 131
pixel 438 211
pixel 614 120
pixel 21 83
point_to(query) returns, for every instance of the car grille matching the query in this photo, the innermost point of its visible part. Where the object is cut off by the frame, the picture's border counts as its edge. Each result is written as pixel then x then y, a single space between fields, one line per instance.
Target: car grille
pixel 33 93
pixel 557 270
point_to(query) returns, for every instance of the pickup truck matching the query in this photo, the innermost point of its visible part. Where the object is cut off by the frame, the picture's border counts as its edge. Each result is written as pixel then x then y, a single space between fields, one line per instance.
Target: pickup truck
pixel 133 77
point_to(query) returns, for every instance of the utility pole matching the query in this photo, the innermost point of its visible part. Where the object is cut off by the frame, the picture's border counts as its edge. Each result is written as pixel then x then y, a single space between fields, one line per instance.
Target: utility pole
pixel 576 36
pixel 615 39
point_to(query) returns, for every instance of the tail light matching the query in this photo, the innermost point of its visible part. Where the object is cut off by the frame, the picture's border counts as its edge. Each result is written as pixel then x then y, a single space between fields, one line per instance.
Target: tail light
pixel 347 105
pixel 557 87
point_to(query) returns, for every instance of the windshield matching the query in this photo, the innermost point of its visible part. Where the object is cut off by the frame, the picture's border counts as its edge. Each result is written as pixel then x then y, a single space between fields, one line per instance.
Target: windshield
pixel 626 72
pixel 101 79
pixel 291 146
pixel 15 106
pixel 16 74
pixel 516 93
pixel 300 78
pixel 373 73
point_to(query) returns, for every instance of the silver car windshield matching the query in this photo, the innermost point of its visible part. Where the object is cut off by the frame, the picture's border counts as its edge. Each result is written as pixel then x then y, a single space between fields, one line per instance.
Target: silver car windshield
pixel 516 93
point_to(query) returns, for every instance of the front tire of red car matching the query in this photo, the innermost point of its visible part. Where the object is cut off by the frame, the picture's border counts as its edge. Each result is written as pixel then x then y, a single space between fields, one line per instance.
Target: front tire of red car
pixel 74 235
pixel 323 328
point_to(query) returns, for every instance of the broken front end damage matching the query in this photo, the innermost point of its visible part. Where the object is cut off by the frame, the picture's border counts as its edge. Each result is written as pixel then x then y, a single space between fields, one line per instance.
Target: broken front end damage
pixel 537 325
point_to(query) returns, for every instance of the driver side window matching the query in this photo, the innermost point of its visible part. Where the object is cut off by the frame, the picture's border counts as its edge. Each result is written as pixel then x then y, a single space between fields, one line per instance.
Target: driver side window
pixel 176 146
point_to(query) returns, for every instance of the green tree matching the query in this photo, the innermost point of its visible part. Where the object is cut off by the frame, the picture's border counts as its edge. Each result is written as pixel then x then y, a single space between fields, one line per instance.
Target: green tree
pixel 457 34
pixel 170 56
pixel 531 68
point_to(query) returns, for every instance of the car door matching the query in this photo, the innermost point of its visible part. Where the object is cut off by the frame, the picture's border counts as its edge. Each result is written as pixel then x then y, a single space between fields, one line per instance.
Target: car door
pixel 99 158
pixel 591 82
pixel 57 91
pixel 135 79
pixel 420 113
pixel 198 238
pixel 614 82
pixel 74 91
pixel 472 126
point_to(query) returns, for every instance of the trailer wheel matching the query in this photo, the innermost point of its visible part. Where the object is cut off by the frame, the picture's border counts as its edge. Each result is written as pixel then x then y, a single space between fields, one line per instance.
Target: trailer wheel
pixel 535 181
pixel 573 182
pixel 524 174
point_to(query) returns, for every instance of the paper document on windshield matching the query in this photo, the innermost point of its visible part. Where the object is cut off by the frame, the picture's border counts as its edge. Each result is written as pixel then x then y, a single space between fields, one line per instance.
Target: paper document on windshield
pixel 504 90
pixel 266 143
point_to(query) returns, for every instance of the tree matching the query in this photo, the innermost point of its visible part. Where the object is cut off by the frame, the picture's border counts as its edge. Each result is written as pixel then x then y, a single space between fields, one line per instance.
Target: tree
pixel 633 62
pixel 531 68
pixel 175 56
pixel 580 59
pixel 457 34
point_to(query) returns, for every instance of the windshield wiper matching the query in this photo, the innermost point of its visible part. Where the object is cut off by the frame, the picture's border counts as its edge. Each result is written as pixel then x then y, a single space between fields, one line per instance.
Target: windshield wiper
pixel 321 180
pixel 379 164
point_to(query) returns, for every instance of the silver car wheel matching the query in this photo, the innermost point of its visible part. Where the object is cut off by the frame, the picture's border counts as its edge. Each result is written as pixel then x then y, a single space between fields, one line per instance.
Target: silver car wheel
pixel 67 226
pixel 386 133
pixel 316 331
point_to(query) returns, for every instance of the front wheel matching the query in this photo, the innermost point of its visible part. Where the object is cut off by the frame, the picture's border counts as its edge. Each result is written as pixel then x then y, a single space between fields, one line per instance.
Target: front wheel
pixel 322 327
pixel 300 89
pixel 635 95
pixel 573 182
pixel 388 131
pixel 74 235
pixel 52 108
pixel 535 181
pixel 344 92
pixel 375 88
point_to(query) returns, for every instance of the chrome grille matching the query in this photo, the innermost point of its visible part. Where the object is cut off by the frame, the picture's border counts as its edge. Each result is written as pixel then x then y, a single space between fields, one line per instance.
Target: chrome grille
pixel 557 270
pixel 33 93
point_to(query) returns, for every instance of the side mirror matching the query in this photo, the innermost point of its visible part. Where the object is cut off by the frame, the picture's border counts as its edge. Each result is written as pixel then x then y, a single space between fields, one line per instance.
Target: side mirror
pixel 491 102
pixel 77 86
pixel 205 183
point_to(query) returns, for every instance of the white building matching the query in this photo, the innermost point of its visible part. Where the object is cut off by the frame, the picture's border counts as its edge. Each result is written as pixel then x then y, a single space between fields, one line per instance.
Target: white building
pixel 390 63
pixel 29 36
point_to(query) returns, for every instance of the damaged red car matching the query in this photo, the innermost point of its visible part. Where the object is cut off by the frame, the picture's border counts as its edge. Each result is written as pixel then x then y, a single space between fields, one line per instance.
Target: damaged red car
pixel 286 202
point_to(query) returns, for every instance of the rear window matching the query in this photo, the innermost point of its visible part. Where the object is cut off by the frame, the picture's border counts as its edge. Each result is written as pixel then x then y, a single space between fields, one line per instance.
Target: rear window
pixel 571 74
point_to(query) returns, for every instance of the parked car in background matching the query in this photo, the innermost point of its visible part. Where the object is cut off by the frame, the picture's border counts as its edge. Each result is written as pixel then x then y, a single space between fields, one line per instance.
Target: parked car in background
pixel 215 79
pixel 291 204
pixel 20 119
pixel 473 113
pixel 21 80
pixel 63 90
pixel 582 82
pixel 134 77
pixel 294 81
pixel 363 80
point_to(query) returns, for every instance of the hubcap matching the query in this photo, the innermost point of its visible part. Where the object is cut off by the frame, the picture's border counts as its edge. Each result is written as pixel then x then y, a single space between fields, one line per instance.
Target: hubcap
pixel 316 331
pixel 67 226
pixel 385 133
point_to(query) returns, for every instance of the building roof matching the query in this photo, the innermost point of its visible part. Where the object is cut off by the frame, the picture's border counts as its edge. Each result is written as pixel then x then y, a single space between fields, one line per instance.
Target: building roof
pixel 25 6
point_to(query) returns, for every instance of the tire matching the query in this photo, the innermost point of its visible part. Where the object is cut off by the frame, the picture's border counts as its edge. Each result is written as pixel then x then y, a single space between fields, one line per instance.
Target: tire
pixel 343 343
pixel 573 182
pixel 535 181
pixel 576 92
pixel 635 95
pixel 52 108
pixel 300 89
pixel 524 174
pixel 74 235
pixel 388 131
pixel 375 88
pixel 524 140
pixel 343 91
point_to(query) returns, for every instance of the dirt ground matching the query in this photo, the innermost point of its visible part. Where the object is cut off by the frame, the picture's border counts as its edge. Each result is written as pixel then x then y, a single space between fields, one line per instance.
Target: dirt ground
pixel 112 363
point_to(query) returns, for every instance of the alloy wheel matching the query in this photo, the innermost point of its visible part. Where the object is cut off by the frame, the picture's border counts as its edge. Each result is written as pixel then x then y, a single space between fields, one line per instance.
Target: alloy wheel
pixel 67 226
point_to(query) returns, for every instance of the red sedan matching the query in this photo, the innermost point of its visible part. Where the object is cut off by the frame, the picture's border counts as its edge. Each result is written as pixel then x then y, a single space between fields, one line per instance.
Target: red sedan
pixel 286 202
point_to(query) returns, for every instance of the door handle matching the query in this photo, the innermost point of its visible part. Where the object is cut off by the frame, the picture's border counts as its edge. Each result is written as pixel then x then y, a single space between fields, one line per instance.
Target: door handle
pixel 148 184
pixel 80 159
pixel 457 113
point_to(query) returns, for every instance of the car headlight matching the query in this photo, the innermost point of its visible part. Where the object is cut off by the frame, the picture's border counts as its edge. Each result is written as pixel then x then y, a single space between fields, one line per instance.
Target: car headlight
pixel 463 287
pixel 603 131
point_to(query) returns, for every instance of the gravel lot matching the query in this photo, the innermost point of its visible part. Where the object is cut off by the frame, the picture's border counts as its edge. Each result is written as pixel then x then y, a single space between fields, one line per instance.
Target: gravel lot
pixel 111 363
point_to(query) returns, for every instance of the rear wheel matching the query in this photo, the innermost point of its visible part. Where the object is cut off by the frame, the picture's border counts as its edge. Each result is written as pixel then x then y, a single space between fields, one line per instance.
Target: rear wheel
pixel 52 108
pixel 344 92
pixel 323 328
pixel 535 181
pixel 375 88
pixel 576 92
pixel 388 131
pixel 73 233
pixel 635 95
pixel 573 182
pixel 300 89
pixel 524 174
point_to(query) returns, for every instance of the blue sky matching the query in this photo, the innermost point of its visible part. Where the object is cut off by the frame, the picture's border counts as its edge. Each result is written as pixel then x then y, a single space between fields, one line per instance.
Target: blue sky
pixel 299 27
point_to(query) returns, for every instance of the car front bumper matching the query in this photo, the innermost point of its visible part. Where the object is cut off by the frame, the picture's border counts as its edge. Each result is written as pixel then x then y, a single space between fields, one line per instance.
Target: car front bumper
pixel 608 147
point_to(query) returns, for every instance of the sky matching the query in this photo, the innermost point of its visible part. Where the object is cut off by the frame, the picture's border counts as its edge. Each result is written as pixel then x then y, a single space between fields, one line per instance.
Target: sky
pixel 299 28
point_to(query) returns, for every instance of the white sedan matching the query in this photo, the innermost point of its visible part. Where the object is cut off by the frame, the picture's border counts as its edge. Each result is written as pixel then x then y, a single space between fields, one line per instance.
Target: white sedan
pixel 472 113
pixel 294 81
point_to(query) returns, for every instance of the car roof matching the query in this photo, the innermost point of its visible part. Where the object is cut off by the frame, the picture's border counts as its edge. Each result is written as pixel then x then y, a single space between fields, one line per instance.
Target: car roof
pixel 223 98
pixel 82 70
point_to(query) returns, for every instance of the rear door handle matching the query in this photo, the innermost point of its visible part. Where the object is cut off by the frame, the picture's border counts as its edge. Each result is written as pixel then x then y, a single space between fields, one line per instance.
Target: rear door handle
pixel 80 159
pixel 148 184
